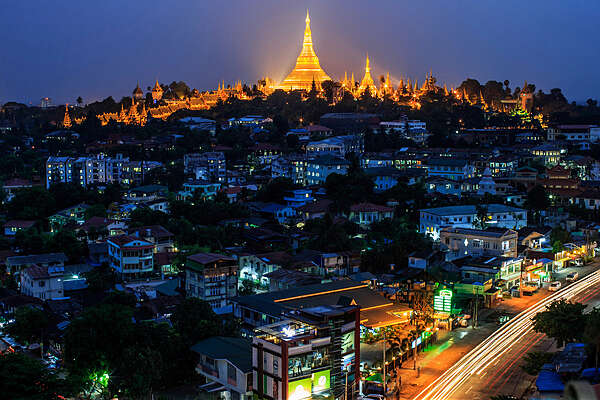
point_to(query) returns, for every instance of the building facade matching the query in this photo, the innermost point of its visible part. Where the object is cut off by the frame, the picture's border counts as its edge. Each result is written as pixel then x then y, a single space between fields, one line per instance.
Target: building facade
pixel 212 278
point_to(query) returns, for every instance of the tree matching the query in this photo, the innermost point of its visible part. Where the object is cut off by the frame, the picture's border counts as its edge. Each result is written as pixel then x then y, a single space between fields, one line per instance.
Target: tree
pixel 25 378
pixel 591 333
pixel 100 279
pixel 195 320
pixel 481 217
pixel 79 101
pixel 535 360
pixel 30 324
pixel 563 321
pixel 537 198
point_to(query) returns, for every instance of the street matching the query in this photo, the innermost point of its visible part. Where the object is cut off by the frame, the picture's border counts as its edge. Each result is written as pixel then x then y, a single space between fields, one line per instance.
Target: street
pixel 493 367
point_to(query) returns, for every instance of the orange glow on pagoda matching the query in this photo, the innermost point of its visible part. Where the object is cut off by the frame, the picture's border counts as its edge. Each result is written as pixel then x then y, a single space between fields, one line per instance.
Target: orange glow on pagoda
pixel 307 67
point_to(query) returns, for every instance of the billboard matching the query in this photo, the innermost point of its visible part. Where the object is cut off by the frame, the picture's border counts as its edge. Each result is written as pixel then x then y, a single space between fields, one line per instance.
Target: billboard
pixel 300 389
pixel 321 381
pixel 442 302
pixel 347 342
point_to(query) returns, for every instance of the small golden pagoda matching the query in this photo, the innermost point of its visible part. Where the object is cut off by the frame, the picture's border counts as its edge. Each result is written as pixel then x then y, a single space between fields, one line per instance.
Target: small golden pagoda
pixel 66 119
pixel 367 80
pixel 307 69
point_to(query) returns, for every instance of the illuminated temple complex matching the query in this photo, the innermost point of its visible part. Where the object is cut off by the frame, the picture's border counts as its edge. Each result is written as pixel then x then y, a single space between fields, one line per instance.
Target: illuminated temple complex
pixel 307 70
pixel 160 102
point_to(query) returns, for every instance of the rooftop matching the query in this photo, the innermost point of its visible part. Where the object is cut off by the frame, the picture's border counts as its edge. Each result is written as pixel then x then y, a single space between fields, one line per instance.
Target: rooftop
pixel 470 209
pixel 237 351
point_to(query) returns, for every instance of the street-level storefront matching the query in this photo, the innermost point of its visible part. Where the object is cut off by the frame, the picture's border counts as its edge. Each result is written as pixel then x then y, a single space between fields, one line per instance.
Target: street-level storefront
pixel 539 271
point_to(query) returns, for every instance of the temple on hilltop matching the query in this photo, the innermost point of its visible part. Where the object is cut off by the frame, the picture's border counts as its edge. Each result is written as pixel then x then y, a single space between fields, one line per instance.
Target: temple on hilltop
pixel 367 80
pixel 307 69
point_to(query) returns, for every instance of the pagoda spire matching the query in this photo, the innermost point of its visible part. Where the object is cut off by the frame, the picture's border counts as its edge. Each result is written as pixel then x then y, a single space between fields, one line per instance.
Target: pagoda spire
pixel 307 66
pixel 367 80
pixel 67 119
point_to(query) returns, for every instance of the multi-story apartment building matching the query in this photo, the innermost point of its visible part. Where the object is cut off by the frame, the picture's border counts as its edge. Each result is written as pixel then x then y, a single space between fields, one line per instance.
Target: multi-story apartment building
pixel 211 277
pixel 314 353
pixel 461 242
pixel 337 146
pixel 320 168
pixel 292 166
pixel 450 168
pixel 42 282
pixel 130 256
pixel 99 169
pixel 574 133
pixel 210 166
pixel 433 220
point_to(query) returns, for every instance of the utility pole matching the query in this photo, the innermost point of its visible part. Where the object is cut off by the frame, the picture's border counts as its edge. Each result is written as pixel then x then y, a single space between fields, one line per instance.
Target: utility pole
pixel 383 365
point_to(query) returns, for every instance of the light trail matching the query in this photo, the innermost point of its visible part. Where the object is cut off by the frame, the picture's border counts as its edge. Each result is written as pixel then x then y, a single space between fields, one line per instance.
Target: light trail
pixel 489 351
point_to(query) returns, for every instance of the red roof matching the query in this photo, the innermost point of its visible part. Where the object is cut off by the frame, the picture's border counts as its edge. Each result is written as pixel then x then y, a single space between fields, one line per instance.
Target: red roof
pixel 370 207
pixel 318 128
pixel 21 224
pixel 96 222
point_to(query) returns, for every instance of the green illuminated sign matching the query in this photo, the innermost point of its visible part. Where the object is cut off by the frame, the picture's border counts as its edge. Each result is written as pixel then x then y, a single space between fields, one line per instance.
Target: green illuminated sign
pixel 321 381
pixel 442 302
pixel 300 389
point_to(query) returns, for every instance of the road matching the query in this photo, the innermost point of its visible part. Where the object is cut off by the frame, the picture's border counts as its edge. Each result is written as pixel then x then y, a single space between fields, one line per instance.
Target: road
pixel 492 367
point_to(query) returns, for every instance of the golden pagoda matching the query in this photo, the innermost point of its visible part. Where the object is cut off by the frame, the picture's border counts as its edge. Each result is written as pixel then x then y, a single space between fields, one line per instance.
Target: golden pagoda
pixel 307 69
pixel 66 119
pixel 367 80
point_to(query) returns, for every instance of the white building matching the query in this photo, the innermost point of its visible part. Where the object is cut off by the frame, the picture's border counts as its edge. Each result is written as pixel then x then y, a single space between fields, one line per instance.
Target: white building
pixel 42 282
pixel 575 133
pixel 320 168
pixel 433 220
pixel 210 166
pixel 337 146
pixel 130 256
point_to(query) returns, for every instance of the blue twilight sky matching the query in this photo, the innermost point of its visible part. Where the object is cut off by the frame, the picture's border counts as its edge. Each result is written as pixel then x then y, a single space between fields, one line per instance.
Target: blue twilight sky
pixel 67 48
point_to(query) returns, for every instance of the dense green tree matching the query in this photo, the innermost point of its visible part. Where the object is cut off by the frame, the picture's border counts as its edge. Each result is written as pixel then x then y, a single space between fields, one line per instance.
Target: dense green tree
pixel 591 334
pixel 30 325
pixel 537 198
pixel 275 190
pixel 533 362
pixel 100 279
pixel 563 321
pixel 25 378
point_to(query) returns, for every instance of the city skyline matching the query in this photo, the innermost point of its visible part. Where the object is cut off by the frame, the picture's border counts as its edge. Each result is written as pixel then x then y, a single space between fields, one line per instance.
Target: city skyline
pixel 102 51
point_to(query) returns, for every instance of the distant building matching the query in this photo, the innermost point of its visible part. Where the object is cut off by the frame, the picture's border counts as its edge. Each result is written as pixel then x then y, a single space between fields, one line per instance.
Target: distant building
pixel 226 364
pixel 433 220
pixel 45 102
pixel 210 166
pixel 42 282
pixel 212 278
pixel 461 242
pixel 337 146
pixel 367 213
pixel 349 122
pixel 130 256
pixel 574 133
pixel 318 169
pixel 13 226
pixel 450 168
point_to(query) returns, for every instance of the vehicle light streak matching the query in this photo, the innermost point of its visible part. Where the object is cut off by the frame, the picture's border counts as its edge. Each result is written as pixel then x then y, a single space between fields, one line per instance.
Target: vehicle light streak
pixel 494 346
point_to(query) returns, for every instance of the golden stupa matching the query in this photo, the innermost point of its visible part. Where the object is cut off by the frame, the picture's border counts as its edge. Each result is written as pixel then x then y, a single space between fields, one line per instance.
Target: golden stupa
pixel 307 67
pixel 367 80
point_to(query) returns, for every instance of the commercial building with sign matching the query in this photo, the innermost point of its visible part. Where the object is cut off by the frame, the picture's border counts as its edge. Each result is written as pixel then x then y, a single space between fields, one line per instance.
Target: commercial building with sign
pixel 315 352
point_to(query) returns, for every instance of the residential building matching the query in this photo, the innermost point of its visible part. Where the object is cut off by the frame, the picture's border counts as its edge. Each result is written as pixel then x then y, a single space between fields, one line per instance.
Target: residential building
pixel 15 264
pixel 71 215
pixel 367 213
pixel 337 146
pixel 549 153
pixel 205 189
pixel 13 226
pixel 157 235
pixel 298 197
pixel 200 124
pixel 210 166
pixel 432 220
pixel 130 257
pixel 226 364
pixel 143 194
pixel 461 242
pixel 254 267
pixel 450 168
pixel 314 352
pixel 504 272
pixel 376 160
pixel 11 186
pixel 42 282
pixel 349 122
pixel 212 278
pixel 574 133
pixel 318 169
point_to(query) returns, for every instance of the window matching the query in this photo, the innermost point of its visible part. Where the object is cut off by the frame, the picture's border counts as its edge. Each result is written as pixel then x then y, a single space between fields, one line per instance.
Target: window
pixel 275 366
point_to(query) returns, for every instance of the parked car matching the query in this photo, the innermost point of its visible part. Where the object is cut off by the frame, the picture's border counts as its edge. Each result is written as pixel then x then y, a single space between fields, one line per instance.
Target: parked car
pixel 529 288
pixel 572 277
pixel 554 286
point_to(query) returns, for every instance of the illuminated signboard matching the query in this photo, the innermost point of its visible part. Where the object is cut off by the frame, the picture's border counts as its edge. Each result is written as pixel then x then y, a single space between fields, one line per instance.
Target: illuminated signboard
pixel 321 381
pixel 300 389
pixel 442 302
